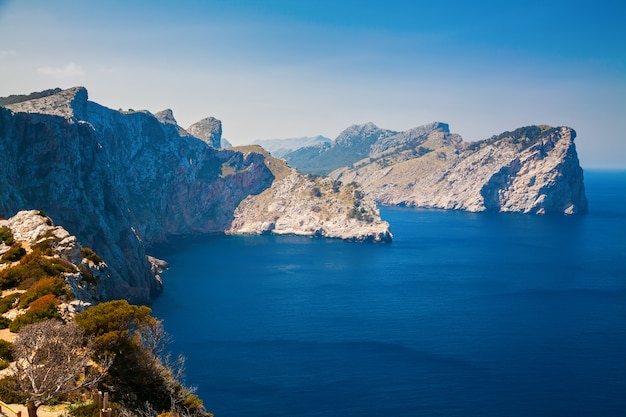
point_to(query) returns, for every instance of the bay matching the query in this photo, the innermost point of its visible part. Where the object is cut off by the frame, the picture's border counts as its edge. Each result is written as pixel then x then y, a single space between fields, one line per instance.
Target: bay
pixel 464 314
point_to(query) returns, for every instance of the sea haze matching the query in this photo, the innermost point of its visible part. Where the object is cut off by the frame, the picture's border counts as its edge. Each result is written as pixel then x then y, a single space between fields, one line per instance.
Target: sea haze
pixel 463 314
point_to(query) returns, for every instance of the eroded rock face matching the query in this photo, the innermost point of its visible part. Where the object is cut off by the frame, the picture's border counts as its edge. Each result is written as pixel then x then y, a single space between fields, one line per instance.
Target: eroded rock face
pixel 119 181
pixel 209 130
pixel 311 206
pixel 31 228
pixel 530 170
pixel 122 181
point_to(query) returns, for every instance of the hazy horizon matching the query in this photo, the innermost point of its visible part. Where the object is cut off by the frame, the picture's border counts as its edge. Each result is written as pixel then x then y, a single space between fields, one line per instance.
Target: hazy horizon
pixel 280 69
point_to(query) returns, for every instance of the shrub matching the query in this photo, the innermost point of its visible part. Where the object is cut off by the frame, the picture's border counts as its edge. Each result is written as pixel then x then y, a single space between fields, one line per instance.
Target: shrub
pixel 6 350
pixel 14 254
pixel 42 309
pixel 88 409
pixel 31 269
pixel 316 192
pixel 48 285
pixel 6 303
pixel 10 391
pixel 89 254
pixel 6 236
pixel 4 322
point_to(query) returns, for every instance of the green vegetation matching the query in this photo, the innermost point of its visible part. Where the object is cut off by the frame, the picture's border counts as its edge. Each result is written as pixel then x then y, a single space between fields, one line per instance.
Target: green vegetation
pixel 14 254
pixel 42 309
pixel 32 268
pixel 45 286
pixel 137 338
pixel 6 236
pixel 89 254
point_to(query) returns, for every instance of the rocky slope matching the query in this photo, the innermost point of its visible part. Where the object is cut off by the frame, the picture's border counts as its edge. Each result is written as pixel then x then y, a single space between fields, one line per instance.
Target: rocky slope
pixel 31 229
pixel 121 181
pixel 530 170
pixel 310 205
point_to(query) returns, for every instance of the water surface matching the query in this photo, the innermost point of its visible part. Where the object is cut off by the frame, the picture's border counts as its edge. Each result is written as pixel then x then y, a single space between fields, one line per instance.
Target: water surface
pixel 462 315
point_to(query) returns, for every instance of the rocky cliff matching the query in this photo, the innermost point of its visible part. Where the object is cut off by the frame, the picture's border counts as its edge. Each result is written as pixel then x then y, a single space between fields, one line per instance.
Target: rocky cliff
pixel 310 205
pixel 31 231
pixel 122 181
pixel 530 170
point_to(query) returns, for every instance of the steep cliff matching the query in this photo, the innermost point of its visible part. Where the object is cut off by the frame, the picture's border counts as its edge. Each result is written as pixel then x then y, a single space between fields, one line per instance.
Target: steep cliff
pixel 120 181
pixel 530 170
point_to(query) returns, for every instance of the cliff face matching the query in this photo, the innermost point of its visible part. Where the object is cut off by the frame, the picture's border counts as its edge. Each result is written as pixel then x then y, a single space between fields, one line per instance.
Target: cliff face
pixel 530 170
pixel 119 181
pixel 123 181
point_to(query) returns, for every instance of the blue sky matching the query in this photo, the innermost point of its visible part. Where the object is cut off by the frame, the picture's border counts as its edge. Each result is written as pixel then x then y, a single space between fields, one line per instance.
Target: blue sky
pixel 278 69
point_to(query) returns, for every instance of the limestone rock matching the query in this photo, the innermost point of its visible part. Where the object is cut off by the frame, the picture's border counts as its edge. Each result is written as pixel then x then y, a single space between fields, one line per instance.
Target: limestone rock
pixel 209 130
pixel 119 181
pixel 311 206
pixel 530 170
pixel 32 227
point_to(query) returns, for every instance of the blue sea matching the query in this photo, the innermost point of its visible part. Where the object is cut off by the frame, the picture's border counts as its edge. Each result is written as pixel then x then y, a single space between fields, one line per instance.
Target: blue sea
pixel 464 314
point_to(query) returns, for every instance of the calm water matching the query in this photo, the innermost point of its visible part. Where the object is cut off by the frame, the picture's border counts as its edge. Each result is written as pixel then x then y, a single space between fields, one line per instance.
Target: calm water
pixel 462 315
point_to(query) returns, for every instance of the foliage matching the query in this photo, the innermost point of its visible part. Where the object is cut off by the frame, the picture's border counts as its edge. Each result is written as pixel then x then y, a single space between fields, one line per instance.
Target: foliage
pixel 88 409
pixel 14 254
pixel 316 192
pixel 138 339
pixel 32 268
pixel 45 286
pixel 114 324
pixel 4 322
pixel 6 236
pixel 6 350
pixel 51 361
pixel 40 310
pixel 89 254
pixel 10 391
pixel 6 303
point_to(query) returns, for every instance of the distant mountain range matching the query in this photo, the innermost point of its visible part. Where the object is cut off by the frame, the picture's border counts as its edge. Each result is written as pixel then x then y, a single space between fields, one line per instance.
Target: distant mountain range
pixel 280 147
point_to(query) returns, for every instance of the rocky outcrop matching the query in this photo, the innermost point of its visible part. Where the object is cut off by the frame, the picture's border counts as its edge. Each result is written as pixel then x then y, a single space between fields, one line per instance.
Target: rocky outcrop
pixel 119 181
pixel 310 205
pixel 530 170
pixel 209 130
pixel 122 181
pixel 32 228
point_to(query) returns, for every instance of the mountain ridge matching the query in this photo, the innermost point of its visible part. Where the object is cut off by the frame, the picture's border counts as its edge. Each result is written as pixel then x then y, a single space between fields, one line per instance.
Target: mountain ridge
pixel 123 180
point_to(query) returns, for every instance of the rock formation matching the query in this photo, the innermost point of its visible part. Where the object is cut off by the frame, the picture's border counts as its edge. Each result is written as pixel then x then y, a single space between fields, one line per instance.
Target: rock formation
pixel 530 170
pixel 310 205
pixel 32 228
pixel 122 181
pixel 209 130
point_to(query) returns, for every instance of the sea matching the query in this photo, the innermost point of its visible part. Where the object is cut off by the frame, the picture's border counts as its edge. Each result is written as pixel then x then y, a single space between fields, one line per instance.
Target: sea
pixel 463 314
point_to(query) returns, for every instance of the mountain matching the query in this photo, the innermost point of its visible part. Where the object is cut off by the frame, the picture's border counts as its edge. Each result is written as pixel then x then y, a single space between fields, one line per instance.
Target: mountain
pixel 534 169
pixel 351 145
pixel 123 181
pixel 280 147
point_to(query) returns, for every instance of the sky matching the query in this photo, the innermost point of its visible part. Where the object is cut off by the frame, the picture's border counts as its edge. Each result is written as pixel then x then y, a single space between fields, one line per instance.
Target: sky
pixel 292 68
